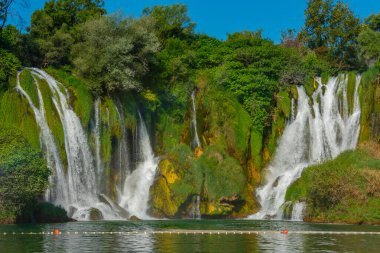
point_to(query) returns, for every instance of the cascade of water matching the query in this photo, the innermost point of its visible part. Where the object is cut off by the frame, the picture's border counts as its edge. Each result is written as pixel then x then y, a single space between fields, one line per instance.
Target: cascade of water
pixel 60 193
pixel 317 133
pixel 136 186
pixel 196 142
pixel 99 165
pixel 124 164
pixel 293 110
pixel 195 210
pixel 297 212
pixel 80 184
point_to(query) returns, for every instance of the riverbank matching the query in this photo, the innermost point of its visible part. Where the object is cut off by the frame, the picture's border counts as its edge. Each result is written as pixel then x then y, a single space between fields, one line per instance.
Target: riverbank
pixel 345 190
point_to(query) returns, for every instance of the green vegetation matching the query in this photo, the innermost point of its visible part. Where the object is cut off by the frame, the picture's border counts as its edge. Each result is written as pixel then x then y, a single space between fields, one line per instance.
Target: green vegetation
pixel 346 189
pixel 243 86
pixel 48 213
pixel 23 176
pixel 331 29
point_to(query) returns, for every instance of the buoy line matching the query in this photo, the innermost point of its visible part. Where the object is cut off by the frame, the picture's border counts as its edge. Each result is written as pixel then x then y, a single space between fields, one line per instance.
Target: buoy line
pixel 56 232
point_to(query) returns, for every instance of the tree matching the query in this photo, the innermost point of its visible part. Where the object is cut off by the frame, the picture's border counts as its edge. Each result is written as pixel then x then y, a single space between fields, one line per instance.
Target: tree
pixel 344 28
pixel 289 39
pixel 115 54
pixel 315 32
pixel 171 21
pixel 9 64
pixel 369 40
pixel 373 22
pixel 53 29
pixel 253 66
pixel 23 175
pixel 331 30
pixel 4 10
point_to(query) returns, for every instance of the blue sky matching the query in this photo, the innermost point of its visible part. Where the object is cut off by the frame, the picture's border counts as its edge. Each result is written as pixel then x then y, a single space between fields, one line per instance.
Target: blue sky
pixel 217 18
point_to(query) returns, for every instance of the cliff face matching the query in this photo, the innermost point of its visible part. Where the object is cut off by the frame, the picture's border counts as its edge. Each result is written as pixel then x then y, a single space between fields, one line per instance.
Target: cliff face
pixel 226 168
pixel 216 175
pixel 221 171
pixel 345 190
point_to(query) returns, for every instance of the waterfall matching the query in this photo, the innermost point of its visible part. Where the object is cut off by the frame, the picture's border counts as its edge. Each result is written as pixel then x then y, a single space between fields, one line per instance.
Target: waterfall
pixel 135 196
pixel 293 110
pixel 97 130
pixel 196 142
pixel 123 151
pixel 77 190
pixel 319 132
pixel 195 210
pixel 60 193
pixel 297 212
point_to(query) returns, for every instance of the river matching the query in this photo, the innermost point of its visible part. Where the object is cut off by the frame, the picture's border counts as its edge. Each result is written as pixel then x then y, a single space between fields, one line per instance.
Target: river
pixel 188 236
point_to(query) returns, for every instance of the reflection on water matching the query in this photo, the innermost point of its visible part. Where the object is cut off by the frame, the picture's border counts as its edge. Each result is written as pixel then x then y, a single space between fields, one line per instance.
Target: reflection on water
pixel 149 242
pixel 281 243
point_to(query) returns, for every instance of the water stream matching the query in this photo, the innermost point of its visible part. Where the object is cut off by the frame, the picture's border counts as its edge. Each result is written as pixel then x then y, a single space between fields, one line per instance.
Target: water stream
pixel 323 128
pixel 196 142
pixel 78 188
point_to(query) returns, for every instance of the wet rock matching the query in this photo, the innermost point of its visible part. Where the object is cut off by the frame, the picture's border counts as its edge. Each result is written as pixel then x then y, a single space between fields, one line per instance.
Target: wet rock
pixel 134 218
pixel 95 214
pixel 198 152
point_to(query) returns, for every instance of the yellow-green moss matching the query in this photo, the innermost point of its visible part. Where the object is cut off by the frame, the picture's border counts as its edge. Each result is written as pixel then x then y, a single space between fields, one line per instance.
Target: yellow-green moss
pixel 369 93
pixel 15 112
pixel 80 96
pixel 27 83
pixel 52 118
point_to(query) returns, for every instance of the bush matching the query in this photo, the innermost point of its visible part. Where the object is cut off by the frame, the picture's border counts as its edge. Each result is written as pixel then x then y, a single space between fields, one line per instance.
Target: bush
pixel 9 64
pixel 23 175
pixel 46 213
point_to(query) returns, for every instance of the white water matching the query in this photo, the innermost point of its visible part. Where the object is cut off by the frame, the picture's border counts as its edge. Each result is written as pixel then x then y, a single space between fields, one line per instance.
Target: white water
pixel 124 164
pixel 298 211
pixel 77 190
pixel 196 142
pixel 319 132
pixel 99 165
pixel 135 196
pixel 60 193
pixel 293 110
pixel 195 210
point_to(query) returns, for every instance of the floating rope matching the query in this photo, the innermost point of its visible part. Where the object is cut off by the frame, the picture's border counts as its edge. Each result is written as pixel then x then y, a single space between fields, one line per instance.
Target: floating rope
pixel 190 232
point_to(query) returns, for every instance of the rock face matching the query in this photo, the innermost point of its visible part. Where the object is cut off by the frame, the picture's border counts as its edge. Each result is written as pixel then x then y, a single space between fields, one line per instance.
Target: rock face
pixel 224 165
pixel 223 171
pixel 134 218
pixel 95 215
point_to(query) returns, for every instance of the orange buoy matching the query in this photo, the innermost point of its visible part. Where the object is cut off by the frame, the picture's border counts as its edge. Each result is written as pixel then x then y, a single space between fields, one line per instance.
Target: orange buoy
pixel 284 231
pixel 56 231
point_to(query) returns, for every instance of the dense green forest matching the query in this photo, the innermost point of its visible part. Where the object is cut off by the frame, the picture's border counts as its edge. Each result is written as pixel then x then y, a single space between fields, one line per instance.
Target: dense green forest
pixel 244 87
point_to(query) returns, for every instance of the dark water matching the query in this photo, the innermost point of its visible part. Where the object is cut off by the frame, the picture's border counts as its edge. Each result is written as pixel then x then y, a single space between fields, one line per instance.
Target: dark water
pixel 149 242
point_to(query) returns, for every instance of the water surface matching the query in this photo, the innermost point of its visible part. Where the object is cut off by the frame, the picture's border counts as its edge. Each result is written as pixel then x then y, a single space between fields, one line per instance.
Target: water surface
pixel 149 242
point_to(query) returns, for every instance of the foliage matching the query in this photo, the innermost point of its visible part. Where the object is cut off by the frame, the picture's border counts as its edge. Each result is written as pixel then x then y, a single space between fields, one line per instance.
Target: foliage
pixel 123 49
pixel 53 28
pixel 369 46
pixel 47 213
pixel 252 70
pixel 170 21
pixel 9 65
pixel 23 174
pixel 346 189
pixel 331 30
pixel 373 22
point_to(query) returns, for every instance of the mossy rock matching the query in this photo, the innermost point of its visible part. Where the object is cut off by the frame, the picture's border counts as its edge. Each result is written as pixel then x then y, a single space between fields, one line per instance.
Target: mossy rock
pixel 95 214
pixel 161 199
pixel 167 170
